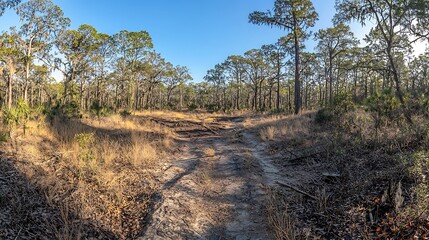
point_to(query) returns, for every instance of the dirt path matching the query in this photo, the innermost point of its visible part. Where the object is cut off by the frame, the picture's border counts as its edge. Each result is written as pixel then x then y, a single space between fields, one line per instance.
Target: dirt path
pixel 218 197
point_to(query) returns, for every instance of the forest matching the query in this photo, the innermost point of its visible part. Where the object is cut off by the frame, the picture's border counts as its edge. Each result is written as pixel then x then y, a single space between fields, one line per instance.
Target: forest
pixel 280 142
pixel 123 71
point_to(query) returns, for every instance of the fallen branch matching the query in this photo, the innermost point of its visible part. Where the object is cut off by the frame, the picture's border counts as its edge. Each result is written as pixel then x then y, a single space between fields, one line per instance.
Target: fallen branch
pixel 211 130
pixel 297 190
pixel 304 156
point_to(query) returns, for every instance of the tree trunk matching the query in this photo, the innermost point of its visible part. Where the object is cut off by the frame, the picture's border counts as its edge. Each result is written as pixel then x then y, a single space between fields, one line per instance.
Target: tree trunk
pixel 260 96
pixel 181 98
pixel 81 95
pixel 238 91
pixel 278 84
pixel 9 90
pixel 27 69
pixel 297 69
pixel 255 97
pixel 330 76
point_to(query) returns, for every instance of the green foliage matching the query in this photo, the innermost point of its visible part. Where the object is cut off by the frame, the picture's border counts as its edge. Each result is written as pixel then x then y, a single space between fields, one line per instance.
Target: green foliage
pixel 276 111
pixel 4 4
pixel 68 110
pixel 100 111
pixel 17 115
pixel 212 107
pixel 324 115
pixel 4 136
pixel 419 105
pixel 383 103
pixel 87 152
pixel 342 103
pixel 192 107
pixel 125 113
pixel 38 113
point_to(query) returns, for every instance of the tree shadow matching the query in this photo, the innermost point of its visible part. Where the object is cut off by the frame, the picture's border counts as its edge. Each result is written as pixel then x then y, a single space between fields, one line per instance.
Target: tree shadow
pixel 26 212
pixel 189 196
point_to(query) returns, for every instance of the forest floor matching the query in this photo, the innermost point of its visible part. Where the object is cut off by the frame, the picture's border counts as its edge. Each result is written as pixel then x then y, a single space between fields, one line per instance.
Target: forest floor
pixel 220 177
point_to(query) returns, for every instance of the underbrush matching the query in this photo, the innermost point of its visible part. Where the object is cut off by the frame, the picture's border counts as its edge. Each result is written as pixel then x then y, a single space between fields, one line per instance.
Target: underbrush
pixel 372 168
pixel 93 171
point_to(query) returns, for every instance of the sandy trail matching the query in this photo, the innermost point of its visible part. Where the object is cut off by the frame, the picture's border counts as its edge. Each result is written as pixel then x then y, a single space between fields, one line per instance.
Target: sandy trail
pixel 218 197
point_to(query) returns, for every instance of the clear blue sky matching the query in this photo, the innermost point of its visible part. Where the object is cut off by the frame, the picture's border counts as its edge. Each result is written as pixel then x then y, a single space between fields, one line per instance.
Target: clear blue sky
pixel 193 33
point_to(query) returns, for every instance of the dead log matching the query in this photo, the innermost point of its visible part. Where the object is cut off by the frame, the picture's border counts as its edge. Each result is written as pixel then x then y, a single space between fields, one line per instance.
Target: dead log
pixel 330 177
pixel 297 190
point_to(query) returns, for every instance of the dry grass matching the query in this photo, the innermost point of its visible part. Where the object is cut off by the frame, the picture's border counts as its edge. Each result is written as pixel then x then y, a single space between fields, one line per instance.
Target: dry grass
pixel 130 123
pixel 196 117
pixel 279 219
pixel 209 152
pixel 291 129
pixel 322 199
pixel 249 159
pixel 98 171
pixel 268 133
pixel 141 153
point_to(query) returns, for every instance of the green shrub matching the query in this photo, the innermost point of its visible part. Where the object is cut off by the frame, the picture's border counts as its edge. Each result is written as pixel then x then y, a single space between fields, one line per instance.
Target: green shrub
pixel 86 143
pixel 4 136
pixel 324 115
pixel 419 105
pixel 342 103
pixel 67 110
pixel 212 107
pixel 277 111
pixel 192 107
pixel 70 109
pixel 125 113
pixel 17 116
pixel 384 103
pixel 100 111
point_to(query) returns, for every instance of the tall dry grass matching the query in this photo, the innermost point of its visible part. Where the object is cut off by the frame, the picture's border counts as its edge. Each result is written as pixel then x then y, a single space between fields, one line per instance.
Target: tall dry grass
pixel 289 128
pixel 280 220
pixel 98 170
pixel 200 117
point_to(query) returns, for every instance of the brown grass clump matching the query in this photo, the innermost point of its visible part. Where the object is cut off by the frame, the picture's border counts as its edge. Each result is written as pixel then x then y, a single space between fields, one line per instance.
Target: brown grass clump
pixel 268 133
pixel 209 152
pixel 279 219
pixel 249 159
pixel 292 129
pixel 142 153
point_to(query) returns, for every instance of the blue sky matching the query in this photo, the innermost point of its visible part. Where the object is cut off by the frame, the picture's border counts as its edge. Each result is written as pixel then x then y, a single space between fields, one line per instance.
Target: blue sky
pixel 193 33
